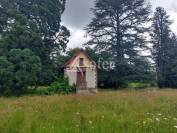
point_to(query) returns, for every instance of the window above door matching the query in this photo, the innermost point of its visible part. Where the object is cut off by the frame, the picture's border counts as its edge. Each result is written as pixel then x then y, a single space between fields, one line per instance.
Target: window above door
pixel 81 61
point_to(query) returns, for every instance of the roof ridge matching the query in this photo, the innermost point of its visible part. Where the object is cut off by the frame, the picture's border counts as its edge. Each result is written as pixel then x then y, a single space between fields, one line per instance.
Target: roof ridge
pixel 81 50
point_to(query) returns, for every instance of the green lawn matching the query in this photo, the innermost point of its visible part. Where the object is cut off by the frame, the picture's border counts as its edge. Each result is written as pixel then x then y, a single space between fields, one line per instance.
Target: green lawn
pixel 105 112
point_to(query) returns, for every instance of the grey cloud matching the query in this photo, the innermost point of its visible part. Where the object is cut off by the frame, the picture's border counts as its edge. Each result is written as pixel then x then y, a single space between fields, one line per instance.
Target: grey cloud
pixel 77 13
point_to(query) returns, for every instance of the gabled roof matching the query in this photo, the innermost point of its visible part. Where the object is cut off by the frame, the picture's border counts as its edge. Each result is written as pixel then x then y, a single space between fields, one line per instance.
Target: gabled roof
pixel 81 51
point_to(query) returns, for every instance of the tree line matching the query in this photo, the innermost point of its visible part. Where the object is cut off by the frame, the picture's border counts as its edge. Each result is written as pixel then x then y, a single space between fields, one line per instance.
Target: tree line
pixel 33 43
pixel 142 46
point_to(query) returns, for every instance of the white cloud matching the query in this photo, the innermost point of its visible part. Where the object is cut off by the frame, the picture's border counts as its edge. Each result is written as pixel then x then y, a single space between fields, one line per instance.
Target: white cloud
pixel 77 38
pixel 173 16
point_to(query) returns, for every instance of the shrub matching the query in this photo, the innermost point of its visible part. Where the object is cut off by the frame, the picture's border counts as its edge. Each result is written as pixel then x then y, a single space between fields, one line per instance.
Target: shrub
pixel 61 86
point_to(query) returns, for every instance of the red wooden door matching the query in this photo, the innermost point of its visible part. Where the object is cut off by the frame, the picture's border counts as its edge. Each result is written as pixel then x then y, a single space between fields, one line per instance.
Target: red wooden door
pixel 81 80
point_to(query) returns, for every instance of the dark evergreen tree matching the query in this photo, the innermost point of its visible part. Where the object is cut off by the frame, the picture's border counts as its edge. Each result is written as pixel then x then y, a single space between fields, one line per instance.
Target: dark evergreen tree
pixel 171 60
pixel 162 44
pixel 118 27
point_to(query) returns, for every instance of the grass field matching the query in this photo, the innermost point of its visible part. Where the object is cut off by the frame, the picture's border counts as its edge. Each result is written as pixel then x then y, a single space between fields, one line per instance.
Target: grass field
pixel 105 112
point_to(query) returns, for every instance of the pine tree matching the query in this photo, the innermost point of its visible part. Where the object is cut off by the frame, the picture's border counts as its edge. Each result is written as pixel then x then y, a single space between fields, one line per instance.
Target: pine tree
pixel 118 27
pixel 161 44
pixel 171 72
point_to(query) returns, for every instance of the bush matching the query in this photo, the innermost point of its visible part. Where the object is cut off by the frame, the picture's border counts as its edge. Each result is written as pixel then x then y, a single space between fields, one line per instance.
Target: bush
pixel 61 86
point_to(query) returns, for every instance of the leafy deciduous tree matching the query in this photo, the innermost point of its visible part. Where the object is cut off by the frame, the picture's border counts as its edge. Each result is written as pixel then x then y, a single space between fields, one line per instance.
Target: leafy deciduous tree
pixel 34 24
pixel 20 69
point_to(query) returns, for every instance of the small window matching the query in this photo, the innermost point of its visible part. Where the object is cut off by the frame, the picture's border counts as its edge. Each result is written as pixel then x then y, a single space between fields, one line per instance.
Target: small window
pixel 81 61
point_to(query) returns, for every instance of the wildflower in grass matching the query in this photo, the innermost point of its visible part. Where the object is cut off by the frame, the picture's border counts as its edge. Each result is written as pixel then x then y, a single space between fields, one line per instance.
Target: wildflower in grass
pixel 159 114
pixel 165 118
pixel 157 119
pixel 175 127
pixel 102 116
pixel 90 122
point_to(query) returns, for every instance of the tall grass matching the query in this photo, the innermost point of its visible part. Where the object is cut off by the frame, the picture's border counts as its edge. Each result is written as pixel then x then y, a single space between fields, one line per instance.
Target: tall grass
pixel 105 112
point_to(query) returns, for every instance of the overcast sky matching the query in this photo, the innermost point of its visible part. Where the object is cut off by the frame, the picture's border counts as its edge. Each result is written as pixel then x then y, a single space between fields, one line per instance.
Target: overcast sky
pixel 77 15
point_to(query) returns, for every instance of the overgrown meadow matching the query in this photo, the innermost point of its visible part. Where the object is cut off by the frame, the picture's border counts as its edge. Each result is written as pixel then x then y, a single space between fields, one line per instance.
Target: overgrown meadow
pixel 106 112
